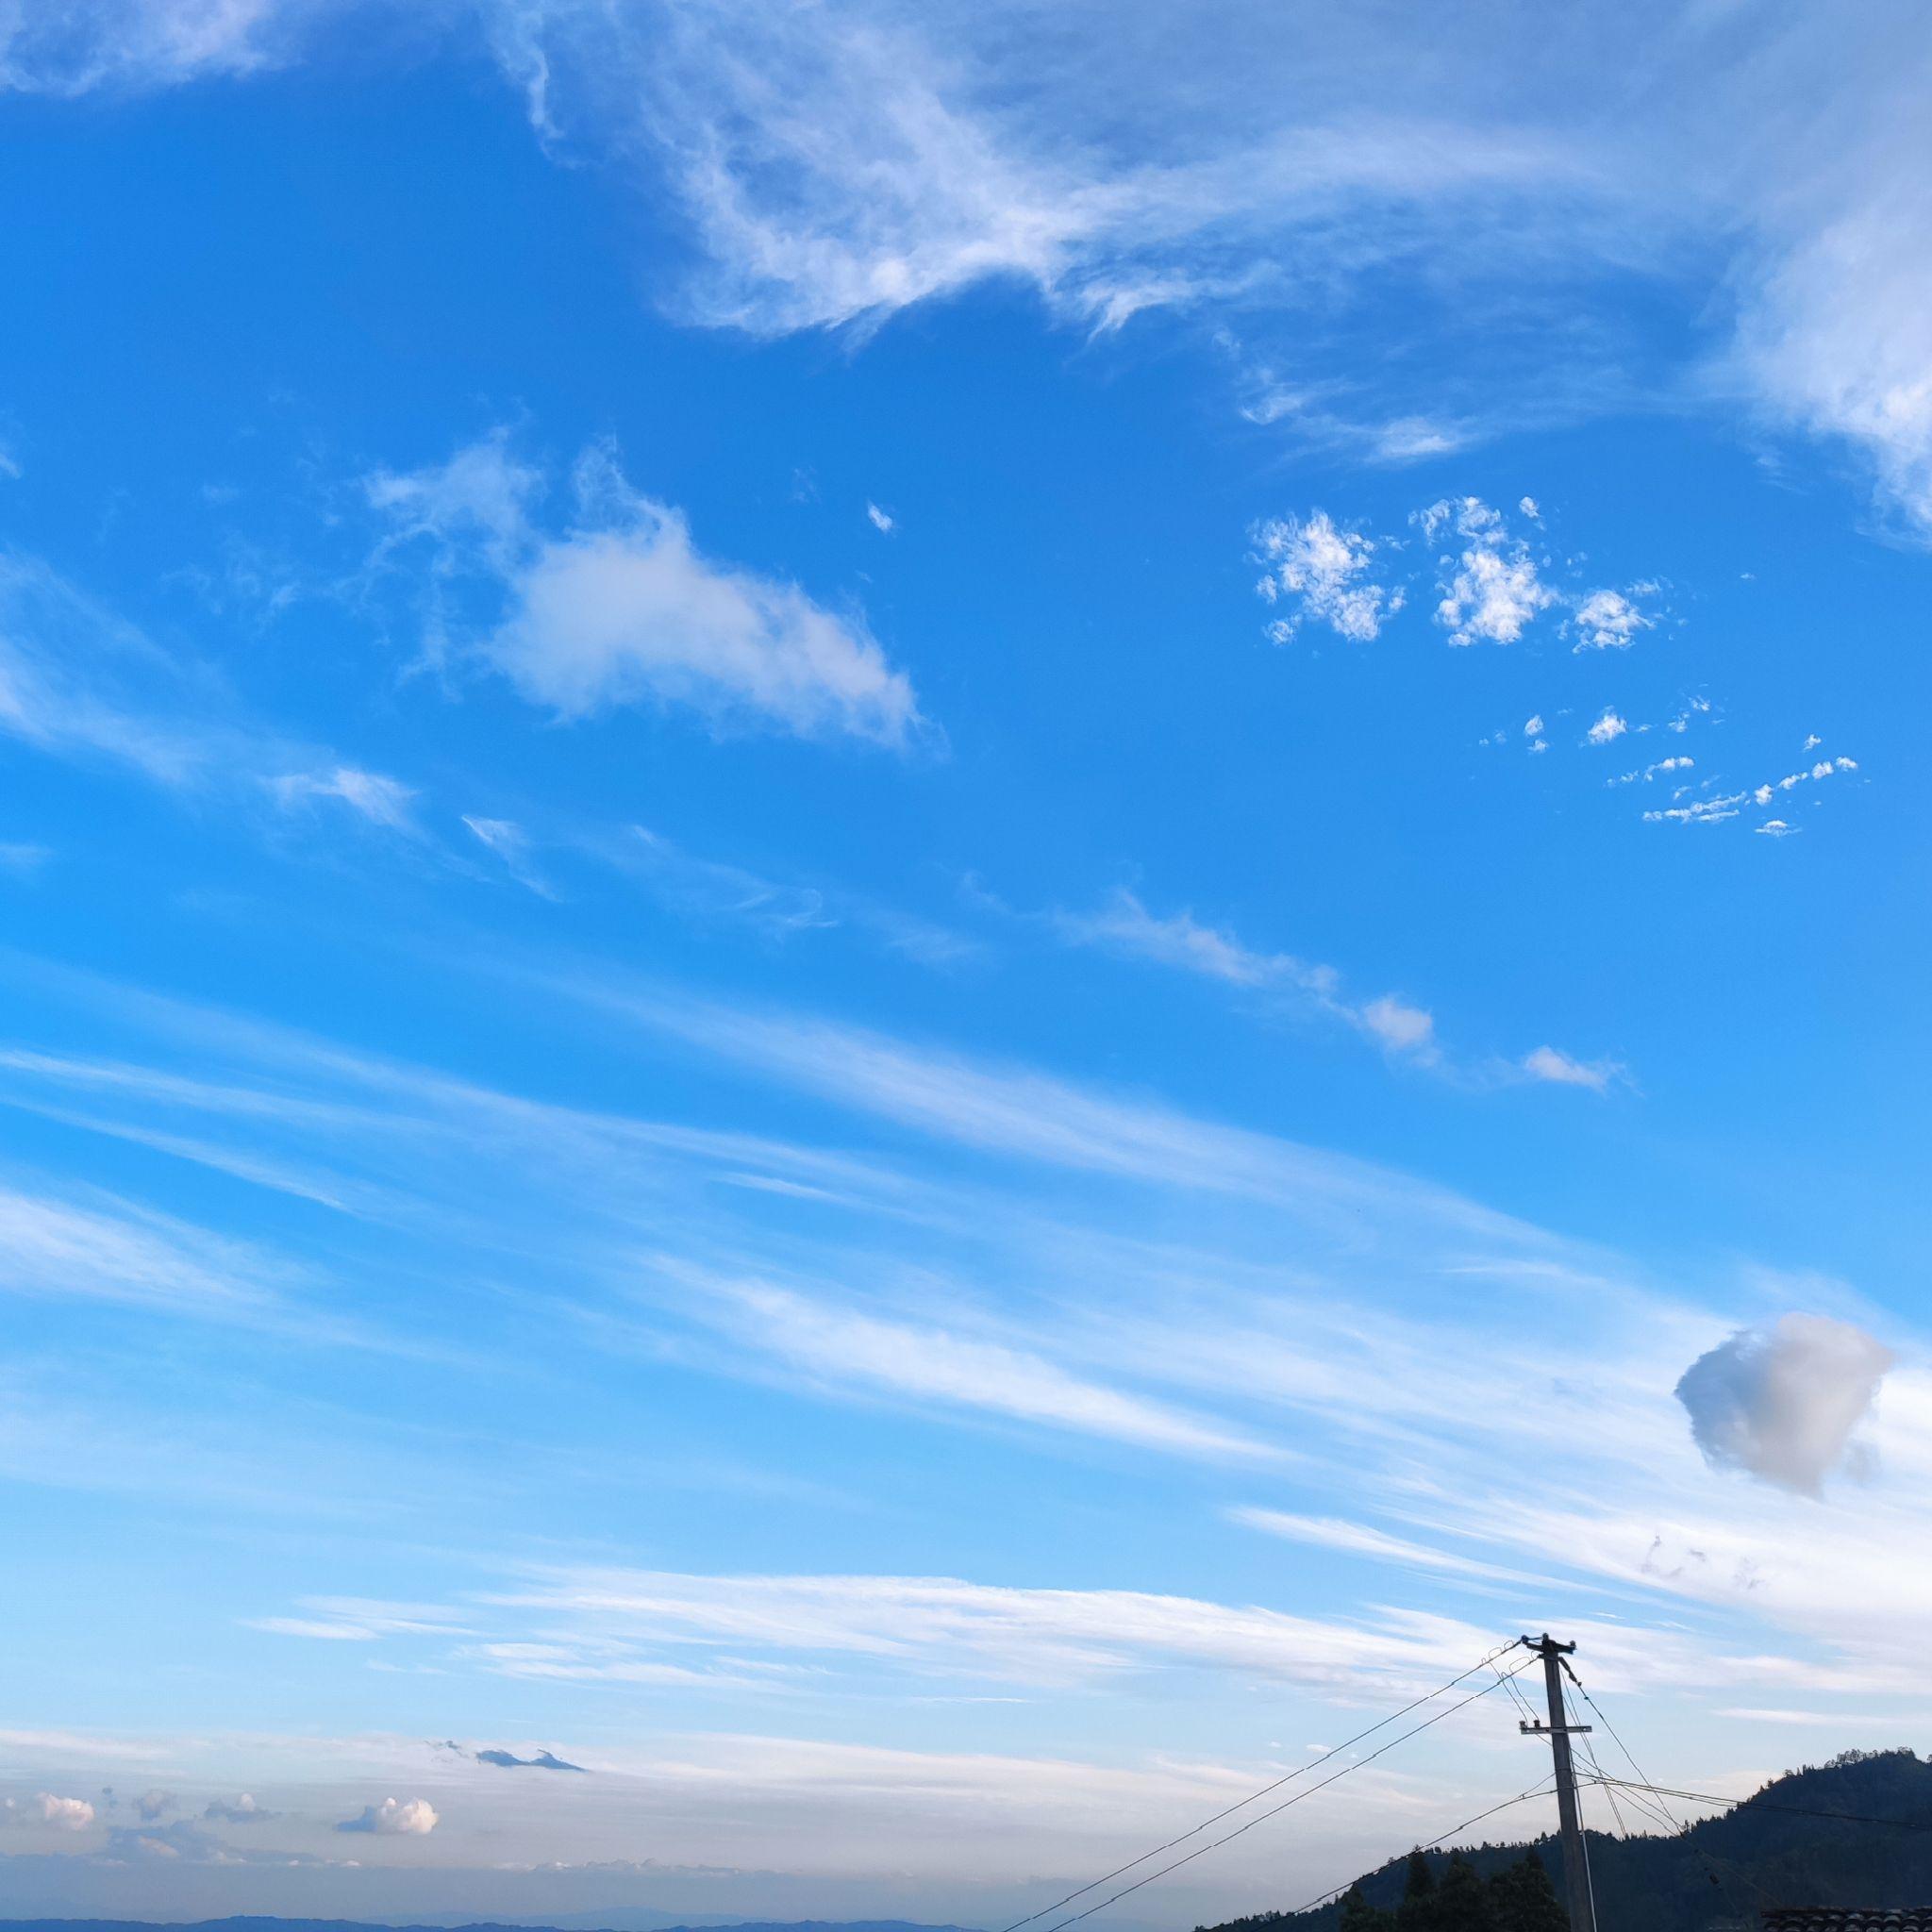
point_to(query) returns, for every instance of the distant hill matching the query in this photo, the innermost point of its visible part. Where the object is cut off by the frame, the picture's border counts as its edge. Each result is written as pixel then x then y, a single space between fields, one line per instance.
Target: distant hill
pixel 1719 1874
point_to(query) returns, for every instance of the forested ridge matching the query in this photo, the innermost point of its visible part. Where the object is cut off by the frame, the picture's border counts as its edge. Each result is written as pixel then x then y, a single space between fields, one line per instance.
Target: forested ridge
pixel 1716 1876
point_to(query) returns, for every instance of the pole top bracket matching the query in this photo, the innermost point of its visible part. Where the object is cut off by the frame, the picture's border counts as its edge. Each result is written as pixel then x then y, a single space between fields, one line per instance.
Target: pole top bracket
pixel 1547 1645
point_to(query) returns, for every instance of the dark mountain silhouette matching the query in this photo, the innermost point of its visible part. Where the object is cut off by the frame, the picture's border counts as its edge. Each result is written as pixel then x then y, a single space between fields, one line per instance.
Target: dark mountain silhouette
pixel 1717 1876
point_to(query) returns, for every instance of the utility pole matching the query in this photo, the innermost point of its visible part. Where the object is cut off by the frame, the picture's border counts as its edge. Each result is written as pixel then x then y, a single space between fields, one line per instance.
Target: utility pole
pixel 1575 1856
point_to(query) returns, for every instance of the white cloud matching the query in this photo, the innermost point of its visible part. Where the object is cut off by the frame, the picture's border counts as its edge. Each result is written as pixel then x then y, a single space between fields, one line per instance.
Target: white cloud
pixel 1548 1063
pixel 394 1817
pixel 1529 506
pixel 1825 768
pixel 1179 939
pixel 77 682
pixel 1124 924
pixel 1611 725
pixel 838 163
pixel 1284 1309
pixel 947 1625
pixel 241 1810
pixel 710 890
pixel 323 1631
pixel 1711 810
pixel 1322 573
pixel 112 1251
pixel 482 495
pixel 622 609
pixel 1362 1539
pixel 1781 1402
pixel 512 846
pixel 43 1807
pixel 1400 1027
pixel 381 800
pixel 882 521
pixel 925 1362
pixel 616 616
pixel 1491 588
pixel 1646 775
pixel 1533 726
pixel 1716 807
pixel 1834 335
pixel 68 48
pixel 1608 621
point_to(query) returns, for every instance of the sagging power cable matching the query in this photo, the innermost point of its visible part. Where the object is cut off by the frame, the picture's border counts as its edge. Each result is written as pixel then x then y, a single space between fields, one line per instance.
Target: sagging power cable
pixel 1275 1810
pixel 1254 1797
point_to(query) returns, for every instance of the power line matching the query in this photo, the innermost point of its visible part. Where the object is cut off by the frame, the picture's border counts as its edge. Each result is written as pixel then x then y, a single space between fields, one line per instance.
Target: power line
pixel 1254 1797
pixel 1275 1810
pixel 1541 1791
pixel 1628 1757
pixel 1763 1804
pixel 1720 1873
pixel 1597 1770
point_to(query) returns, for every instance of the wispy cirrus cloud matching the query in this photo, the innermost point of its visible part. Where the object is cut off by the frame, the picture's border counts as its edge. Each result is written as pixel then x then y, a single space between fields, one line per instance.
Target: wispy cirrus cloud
pixel 862 1349
pixel 108 1250
pixel 834 166
pixel 136 45
pixel 1410 1347
pixel 1402 1029
pixel 79 683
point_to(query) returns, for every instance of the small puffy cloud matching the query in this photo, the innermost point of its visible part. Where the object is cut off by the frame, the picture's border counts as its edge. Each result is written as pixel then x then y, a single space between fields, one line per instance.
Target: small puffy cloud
pixel 381 801
pixel 1607 728
pixel 1781 1402
pixel 1775 829
pixel 241 1810
pixel 1491 588
pixel 1647 774
pixel 45 1809
pixel 617 616
pixel 1532 726
pixel 1713 810
pixel 394 1817
pixel 1321 572
pixel 1608 621
pixel 156 1804
pixel 1558 1068
pixel 621 607
pixel 1400 1027
pixel 882 521
pixel 1529 507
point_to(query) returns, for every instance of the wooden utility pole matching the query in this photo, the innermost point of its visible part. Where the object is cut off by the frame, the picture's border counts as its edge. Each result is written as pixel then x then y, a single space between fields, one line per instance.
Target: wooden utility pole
pixel 1560 1731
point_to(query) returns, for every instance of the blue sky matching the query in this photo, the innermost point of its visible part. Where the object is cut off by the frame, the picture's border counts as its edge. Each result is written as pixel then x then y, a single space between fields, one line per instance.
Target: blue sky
pixel 909 911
